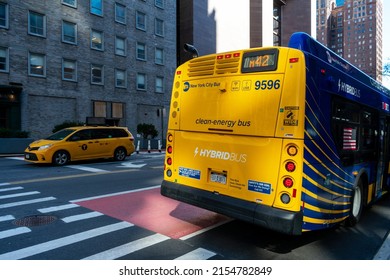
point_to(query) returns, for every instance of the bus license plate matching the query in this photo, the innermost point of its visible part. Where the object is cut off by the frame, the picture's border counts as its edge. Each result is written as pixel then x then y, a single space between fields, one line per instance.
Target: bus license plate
pixel 218 178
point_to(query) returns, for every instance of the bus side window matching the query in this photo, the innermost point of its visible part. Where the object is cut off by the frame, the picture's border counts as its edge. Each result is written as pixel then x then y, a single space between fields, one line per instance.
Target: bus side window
pixel 355 130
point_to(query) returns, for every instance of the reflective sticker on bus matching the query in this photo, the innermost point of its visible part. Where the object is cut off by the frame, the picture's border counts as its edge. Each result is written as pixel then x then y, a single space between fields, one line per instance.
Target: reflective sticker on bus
pixel 260 187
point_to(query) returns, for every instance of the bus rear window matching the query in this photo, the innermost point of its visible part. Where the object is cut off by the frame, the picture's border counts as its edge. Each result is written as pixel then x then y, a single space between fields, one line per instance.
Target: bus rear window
pixel 260 61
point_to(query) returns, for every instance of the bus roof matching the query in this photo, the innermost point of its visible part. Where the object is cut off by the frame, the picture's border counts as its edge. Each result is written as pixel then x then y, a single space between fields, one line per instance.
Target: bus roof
pixel 307 44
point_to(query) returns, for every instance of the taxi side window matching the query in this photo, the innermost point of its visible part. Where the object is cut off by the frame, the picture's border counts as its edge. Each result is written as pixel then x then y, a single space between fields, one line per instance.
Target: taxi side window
pixel 81 135
pixel 101 133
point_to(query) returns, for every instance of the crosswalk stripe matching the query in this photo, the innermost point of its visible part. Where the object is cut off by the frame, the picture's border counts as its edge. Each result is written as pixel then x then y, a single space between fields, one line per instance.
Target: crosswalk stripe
pixel 13 232
pixel 17 195
pixel 85 168
pixel 25 202
pixel 4 184
pixel 80 217
pixel 58 208
pixel 6 218
pixel 11 189
pixel 128 248
pixel 64 241
pixel 198 254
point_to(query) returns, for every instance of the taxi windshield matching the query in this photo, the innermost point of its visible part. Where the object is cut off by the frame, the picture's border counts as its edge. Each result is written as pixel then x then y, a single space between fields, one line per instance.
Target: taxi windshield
pixel 60 134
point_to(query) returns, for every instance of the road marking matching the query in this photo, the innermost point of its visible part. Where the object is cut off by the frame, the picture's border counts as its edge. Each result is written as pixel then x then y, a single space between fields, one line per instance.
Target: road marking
pixel 198 254
pixel 18 195
pixel 64 241
pixel 4 184
pixel 13 204
pixel 188 236
pixel 129 164
pixel 13 232
pixel 113 194
pixel 58 208
pixel 17 158
pixel 6 218
pixel 11 189
pixel 128 248
pixel 88 169
pixel 80 217
pixel 68 177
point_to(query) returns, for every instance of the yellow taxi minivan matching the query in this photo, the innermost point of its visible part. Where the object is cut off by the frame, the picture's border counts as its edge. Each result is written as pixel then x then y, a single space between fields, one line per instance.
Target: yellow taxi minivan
pixel 82 143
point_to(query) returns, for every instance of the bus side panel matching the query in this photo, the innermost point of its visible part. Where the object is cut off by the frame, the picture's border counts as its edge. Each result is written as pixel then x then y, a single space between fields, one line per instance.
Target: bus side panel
pixel 327 186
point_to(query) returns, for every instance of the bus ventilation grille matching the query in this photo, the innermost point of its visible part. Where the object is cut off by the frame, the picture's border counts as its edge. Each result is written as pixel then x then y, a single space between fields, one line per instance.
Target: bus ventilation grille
pixel 210 65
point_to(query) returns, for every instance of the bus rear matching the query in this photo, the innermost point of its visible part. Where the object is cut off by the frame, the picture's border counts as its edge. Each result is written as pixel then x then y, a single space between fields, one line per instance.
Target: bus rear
pixel 235 136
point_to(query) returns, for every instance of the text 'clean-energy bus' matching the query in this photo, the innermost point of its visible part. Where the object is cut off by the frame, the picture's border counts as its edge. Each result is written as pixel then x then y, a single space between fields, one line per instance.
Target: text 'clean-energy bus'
pixel 290 138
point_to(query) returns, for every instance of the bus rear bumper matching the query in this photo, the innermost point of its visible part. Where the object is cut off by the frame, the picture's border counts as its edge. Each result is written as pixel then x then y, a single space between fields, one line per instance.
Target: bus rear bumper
pixel 271 218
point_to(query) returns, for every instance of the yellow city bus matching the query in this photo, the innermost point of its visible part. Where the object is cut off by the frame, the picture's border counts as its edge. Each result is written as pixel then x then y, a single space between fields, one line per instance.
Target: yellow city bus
pixel 290 138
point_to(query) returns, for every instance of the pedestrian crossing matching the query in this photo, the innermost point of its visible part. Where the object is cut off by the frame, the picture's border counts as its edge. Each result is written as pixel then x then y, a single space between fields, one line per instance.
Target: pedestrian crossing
pixel 78 233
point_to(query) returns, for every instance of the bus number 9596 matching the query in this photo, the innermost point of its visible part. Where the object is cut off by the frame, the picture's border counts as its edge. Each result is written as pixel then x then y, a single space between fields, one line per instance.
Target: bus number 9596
pixel 267 84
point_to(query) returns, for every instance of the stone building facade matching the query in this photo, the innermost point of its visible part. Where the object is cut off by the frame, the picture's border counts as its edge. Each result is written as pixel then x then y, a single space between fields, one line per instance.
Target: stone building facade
pixel 66 60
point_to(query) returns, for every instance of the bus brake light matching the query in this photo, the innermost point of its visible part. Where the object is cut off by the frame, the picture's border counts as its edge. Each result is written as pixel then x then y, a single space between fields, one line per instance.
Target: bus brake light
pixel 288 182
pixel 290 166
pixel 294 60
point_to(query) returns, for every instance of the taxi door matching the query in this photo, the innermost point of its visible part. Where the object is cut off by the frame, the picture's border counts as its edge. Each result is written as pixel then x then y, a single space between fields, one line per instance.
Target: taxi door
pixel 82 146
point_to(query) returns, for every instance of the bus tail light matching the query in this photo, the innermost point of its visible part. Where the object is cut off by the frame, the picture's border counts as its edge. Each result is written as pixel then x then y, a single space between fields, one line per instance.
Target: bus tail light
pixel 288 182
pixel 292 150
pixel 294 60
pixel 290 166
pixel 285 198
pixel 169 160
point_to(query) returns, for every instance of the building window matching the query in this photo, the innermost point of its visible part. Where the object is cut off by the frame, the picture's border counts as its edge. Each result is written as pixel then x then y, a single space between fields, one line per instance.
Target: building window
pixel 141 81
pixel 37 65
pixel 99 109
pixel 117 110
pixel 69 70
pixel 3 15
pixel 159 3
pixel 159 27
pixel 72 3
pixel 277 24
pixel 140 21
pixel 159 84
pixel 120 13
pixel 120 78
pixel 96 40
pixel 120 46
pixel 97 75
pixel 96 7
pixel 36 24
pixel 4 58
pixel 141 51
pixel 69 32
pixel 159 56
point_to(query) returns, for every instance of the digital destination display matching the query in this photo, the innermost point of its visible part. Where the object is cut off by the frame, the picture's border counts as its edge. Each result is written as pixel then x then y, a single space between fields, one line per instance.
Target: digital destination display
pixel 259 61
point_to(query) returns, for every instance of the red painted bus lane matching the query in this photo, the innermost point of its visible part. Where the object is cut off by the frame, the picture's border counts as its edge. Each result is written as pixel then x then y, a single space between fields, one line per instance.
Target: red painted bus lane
pixel 150 210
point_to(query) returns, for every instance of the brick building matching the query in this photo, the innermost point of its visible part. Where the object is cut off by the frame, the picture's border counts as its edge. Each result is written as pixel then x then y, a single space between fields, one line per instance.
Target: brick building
pixel 353 29
pixel 66 60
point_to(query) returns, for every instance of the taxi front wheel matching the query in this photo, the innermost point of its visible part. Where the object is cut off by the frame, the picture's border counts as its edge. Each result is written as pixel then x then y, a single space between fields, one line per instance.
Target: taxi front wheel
pixel 60 158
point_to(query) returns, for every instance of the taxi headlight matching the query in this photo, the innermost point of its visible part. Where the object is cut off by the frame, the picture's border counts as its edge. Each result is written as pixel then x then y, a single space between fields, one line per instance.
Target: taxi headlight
pixel 44 147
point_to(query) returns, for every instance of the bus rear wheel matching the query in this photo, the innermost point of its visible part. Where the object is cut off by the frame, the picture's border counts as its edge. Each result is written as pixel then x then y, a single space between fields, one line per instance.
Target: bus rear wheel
pixel 356 206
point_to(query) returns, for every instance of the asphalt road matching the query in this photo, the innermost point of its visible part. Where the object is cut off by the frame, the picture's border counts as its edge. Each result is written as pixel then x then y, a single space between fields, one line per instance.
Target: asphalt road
pixel 113 210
